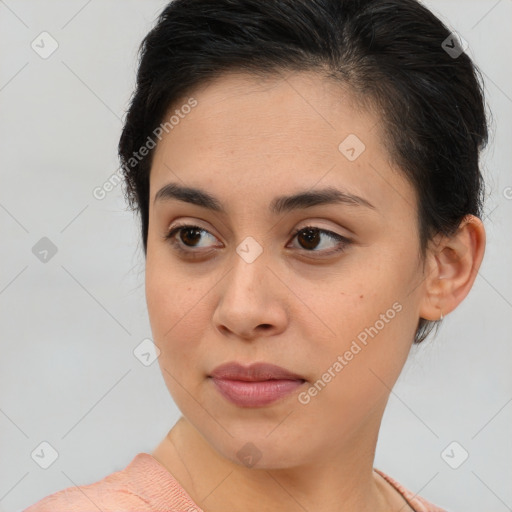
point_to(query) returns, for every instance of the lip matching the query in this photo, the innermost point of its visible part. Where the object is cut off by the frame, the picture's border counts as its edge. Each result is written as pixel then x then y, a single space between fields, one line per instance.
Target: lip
pixel 256 385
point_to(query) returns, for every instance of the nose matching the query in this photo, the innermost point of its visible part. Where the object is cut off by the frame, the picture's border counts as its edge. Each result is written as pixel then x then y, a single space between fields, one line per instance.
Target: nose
pixel 252 300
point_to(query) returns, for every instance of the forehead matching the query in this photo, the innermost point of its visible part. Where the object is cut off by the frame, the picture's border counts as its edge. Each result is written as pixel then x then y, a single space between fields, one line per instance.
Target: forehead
pixel 262 135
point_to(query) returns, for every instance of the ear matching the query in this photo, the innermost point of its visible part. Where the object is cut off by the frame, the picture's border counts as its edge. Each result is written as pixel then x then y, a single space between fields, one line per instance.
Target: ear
pixel 451 269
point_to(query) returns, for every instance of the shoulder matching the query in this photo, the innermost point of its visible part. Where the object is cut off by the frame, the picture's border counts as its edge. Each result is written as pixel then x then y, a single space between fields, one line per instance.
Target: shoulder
pixel 113 491
pixel 416 502
pixel 89 497
pixel 143 486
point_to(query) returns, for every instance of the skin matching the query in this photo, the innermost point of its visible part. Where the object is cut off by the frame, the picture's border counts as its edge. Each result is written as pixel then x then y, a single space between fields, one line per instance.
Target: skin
pixel 247 141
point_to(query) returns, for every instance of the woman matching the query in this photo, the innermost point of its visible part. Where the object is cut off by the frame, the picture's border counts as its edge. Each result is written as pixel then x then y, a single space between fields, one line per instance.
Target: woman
pixel 307 178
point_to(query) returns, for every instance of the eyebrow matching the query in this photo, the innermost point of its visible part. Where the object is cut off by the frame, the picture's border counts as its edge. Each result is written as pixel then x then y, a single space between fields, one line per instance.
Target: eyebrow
pixel 280 204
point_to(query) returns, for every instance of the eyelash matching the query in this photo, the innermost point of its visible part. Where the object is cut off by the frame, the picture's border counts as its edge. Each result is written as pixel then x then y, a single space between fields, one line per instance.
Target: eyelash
pixel 171 238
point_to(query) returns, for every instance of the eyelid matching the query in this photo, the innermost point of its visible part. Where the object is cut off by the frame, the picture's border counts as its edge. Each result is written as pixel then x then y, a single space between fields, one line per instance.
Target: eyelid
pixel 311 223
pixel 320 224
pixel 173 229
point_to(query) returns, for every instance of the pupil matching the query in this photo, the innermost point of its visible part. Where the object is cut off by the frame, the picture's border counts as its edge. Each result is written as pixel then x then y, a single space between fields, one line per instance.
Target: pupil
pixel 310 236
pixel 196 236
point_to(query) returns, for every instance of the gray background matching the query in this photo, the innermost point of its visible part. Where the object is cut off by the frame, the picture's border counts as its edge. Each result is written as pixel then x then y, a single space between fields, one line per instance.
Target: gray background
pixel 68 374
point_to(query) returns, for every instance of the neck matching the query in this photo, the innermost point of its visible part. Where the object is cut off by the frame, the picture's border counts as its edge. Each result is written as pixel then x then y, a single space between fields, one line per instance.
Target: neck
pixel 325 484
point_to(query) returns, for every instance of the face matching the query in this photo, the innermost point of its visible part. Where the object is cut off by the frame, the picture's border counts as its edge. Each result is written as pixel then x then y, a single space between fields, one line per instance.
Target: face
pixel 328 289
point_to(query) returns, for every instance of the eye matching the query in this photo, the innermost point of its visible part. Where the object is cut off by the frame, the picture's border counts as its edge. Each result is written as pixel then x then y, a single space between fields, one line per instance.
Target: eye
pixel 188 234
pixel 310 237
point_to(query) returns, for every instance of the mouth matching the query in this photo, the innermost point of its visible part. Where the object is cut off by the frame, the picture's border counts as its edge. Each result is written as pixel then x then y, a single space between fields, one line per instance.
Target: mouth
pixel 256 385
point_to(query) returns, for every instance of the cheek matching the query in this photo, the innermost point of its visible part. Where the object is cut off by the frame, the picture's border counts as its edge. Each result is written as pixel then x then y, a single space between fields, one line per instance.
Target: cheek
pixel 164 296
pixel 177 303
pixel 373 318
pixel 176 331
pixel 355 372
pixel 169 291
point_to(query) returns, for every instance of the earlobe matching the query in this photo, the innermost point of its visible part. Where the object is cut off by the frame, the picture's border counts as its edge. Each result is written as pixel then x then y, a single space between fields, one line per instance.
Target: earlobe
pixel 453 265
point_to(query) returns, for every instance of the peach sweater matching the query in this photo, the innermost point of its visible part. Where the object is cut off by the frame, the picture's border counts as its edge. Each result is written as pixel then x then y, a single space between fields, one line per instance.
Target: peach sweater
pixel 145 485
